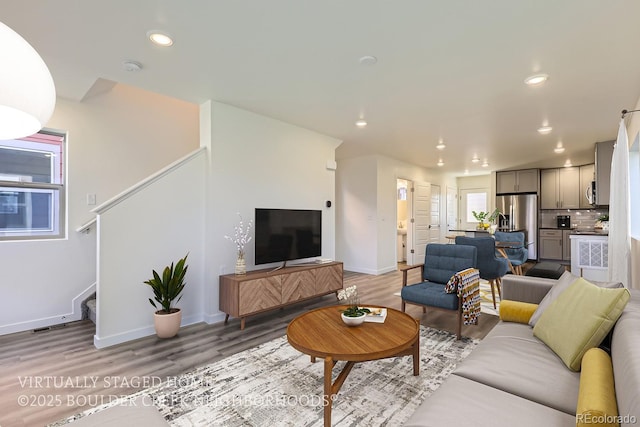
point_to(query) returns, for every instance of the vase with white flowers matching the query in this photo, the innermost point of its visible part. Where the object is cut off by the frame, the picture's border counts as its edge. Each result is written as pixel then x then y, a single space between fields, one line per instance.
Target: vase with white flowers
pixel 353 315
pixel 240 238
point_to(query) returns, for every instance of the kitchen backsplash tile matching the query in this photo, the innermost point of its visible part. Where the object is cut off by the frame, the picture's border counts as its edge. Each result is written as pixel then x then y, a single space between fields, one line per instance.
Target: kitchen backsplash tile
pixel 579 218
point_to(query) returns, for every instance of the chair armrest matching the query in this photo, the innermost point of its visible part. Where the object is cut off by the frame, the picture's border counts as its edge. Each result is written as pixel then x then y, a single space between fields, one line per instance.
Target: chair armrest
pixel 406 268
pixel 525 288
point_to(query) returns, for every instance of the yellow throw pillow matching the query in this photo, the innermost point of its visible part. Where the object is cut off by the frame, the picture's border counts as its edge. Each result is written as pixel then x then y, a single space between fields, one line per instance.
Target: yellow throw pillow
pixel 597 395
pixel 516 311
pixel 579 319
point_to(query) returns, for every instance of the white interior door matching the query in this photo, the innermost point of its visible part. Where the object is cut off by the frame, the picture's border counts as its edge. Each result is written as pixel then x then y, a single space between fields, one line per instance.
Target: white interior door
pixel 452 208
pixel 434 219
pixel 420 221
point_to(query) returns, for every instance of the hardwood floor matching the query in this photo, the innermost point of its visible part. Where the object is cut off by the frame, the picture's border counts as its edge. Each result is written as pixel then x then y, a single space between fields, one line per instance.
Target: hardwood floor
pixel 46 376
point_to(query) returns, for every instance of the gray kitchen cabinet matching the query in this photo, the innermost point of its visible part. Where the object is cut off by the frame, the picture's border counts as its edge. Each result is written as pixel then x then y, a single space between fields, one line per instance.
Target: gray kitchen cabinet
pixel 587 175
pixel 560 188
pixel 604 154
pixel 518 181
pixel 551 244
pixel 566 245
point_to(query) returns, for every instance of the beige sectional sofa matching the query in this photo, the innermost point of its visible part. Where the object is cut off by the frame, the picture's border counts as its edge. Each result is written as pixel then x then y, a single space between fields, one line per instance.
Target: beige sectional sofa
pixel 513 378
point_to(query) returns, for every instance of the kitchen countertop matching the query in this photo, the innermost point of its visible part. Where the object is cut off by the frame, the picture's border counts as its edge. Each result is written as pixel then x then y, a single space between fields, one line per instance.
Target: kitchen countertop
pixel 475 230
pixel 595 232
pixel 581 231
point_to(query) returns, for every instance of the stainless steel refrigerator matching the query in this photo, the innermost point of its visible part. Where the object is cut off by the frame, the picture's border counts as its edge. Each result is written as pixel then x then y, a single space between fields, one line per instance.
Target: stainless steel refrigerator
pixel 520 213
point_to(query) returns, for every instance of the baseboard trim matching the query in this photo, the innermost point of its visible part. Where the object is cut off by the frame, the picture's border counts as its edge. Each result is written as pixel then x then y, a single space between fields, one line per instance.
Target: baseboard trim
pixel 214 318
pixel 111 340
pixel 377 272
pixel 76 303
pixel 37 323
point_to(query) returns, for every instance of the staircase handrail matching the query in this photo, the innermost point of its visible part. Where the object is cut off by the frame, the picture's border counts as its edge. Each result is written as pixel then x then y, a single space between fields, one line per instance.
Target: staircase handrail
pixel 146 182
pixel 87 225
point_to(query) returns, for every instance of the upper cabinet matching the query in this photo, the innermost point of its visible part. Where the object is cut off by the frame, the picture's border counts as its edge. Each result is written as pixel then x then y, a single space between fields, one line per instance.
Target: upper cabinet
pixel 604 154
pixel 560 188
pixel 587 175
pixel 520 181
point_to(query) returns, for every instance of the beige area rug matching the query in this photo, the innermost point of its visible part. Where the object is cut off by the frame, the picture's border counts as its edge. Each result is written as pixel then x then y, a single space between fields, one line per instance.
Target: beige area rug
pixel 275 385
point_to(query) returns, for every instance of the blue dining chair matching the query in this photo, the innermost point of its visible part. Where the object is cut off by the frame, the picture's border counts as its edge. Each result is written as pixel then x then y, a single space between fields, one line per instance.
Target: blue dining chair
pixel 491 267
pixel 519 254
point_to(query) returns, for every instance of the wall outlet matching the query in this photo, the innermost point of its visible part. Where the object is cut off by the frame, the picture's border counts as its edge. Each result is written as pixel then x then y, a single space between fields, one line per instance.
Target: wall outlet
pixel 91 199
pixel 222 269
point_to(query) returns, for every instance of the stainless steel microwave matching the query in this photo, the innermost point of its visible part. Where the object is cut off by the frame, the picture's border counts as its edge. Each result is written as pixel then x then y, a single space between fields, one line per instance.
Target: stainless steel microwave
pixel 590 193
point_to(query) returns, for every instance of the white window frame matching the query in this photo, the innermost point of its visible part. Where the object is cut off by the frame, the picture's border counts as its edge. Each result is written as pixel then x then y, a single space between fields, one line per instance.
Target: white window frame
pixel 24 184
pixel 475 204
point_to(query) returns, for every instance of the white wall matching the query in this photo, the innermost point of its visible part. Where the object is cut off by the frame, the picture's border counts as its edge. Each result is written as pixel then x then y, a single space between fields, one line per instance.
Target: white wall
pixel 471 182
pixel 148 231
pixel 357 218
pixel 114 140
pixel 256 161
pixel 367 196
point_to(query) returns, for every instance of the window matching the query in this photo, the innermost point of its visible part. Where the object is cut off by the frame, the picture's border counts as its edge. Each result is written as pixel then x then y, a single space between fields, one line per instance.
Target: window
pixel 476 202
pixel 32 189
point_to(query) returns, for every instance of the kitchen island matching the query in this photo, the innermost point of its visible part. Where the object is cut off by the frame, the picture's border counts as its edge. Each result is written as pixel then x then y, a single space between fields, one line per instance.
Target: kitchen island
pixel 590 254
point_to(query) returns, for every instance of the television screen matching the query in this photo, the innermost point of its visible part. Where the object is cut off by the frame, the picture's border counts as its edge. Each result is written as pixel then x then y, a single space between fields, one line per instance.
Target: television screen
pixel 287 234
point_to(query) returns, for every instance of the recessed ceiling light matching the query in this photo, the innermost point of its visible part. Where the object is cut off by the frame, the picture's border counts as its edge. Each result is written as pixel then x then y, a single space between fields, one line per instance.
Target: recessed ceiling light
pixel 368 60
pixel 559 148
pixel 132 66
pixel 485 164
pixel 567 164
pixel 361 123
pixel 475 159
pixel 536 79
pixel 545 130
pixel 440 145
pixel 440 163
pixel 466 171
pixel 160 38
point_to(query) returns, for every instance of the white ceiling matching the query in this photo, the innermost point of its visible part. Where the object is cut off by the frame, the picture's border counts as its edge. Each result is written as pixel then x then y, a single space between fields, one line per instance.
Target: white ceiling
pixel 449 69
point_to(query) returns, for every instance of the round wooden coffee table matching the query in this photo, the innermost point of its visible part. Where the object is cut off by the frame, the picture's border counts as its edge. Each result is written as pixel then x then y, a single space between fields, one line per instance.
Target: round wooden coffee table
pixel 322 333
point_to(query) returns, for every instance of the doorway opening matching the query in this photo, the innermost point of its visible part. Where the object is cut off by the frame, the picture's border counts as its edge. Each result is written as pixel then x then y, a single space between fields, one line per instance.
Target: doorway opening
pixel 402 219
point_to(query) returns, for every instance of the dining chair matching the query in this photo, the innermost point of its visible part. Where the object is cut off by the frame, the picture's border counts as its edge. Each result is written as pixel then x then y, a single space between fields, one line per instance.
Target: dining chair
pixel 517 253
pixel 491 267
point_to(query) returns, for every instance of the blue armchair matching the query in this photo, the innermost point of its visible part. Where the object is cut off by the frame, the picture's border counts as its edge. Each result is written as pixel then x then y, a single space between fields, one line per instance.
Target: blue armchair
pixel 519 254
pixel 441 262
pixel 491 267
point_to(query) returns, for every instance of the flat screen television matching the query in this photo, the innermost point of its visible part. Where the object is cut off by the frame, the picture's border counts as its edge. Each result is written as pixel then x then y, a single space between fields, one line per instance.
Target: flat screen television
pixel 287 234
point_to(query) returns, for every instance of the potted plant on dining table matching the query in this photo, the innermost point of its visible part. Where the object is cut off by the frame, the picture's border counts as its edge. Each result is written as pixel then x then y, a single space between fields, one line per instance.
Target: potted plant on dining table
pixel 485 218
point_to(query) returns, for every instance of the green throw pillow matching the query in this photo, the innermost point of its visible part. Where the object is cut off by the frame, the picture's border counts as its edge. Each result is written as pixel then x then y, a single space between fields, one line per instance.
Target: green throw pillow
pixel 579 319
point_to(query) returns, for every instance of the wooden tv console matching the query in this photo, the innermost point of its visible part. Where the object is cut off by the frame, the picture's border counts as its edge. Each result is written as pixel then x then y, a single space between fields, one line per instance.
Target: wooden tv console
pixel 263 290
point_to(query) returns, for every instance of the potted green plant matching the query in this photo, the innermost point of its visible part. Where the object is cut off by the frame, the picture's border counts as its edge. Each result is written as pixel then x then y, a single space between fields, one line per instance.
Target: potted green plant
pixel 353 315
pixel 166 289
pixel 603 222
pixel 482 216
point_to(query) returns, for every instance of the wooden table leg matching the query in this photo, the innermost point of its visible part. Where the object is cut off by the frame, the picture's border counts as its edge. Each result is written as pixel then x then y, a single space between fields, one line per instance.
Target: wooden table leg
pixel 226 319
pixel 328 395
pixel 242 323
pixel 331 390
pixel 416 352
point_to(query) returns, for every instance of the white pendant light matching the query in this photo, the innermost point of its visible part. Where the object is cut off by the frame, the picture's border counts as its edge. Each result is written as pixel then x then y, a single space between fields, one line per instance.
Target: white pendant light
pixel 27 93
